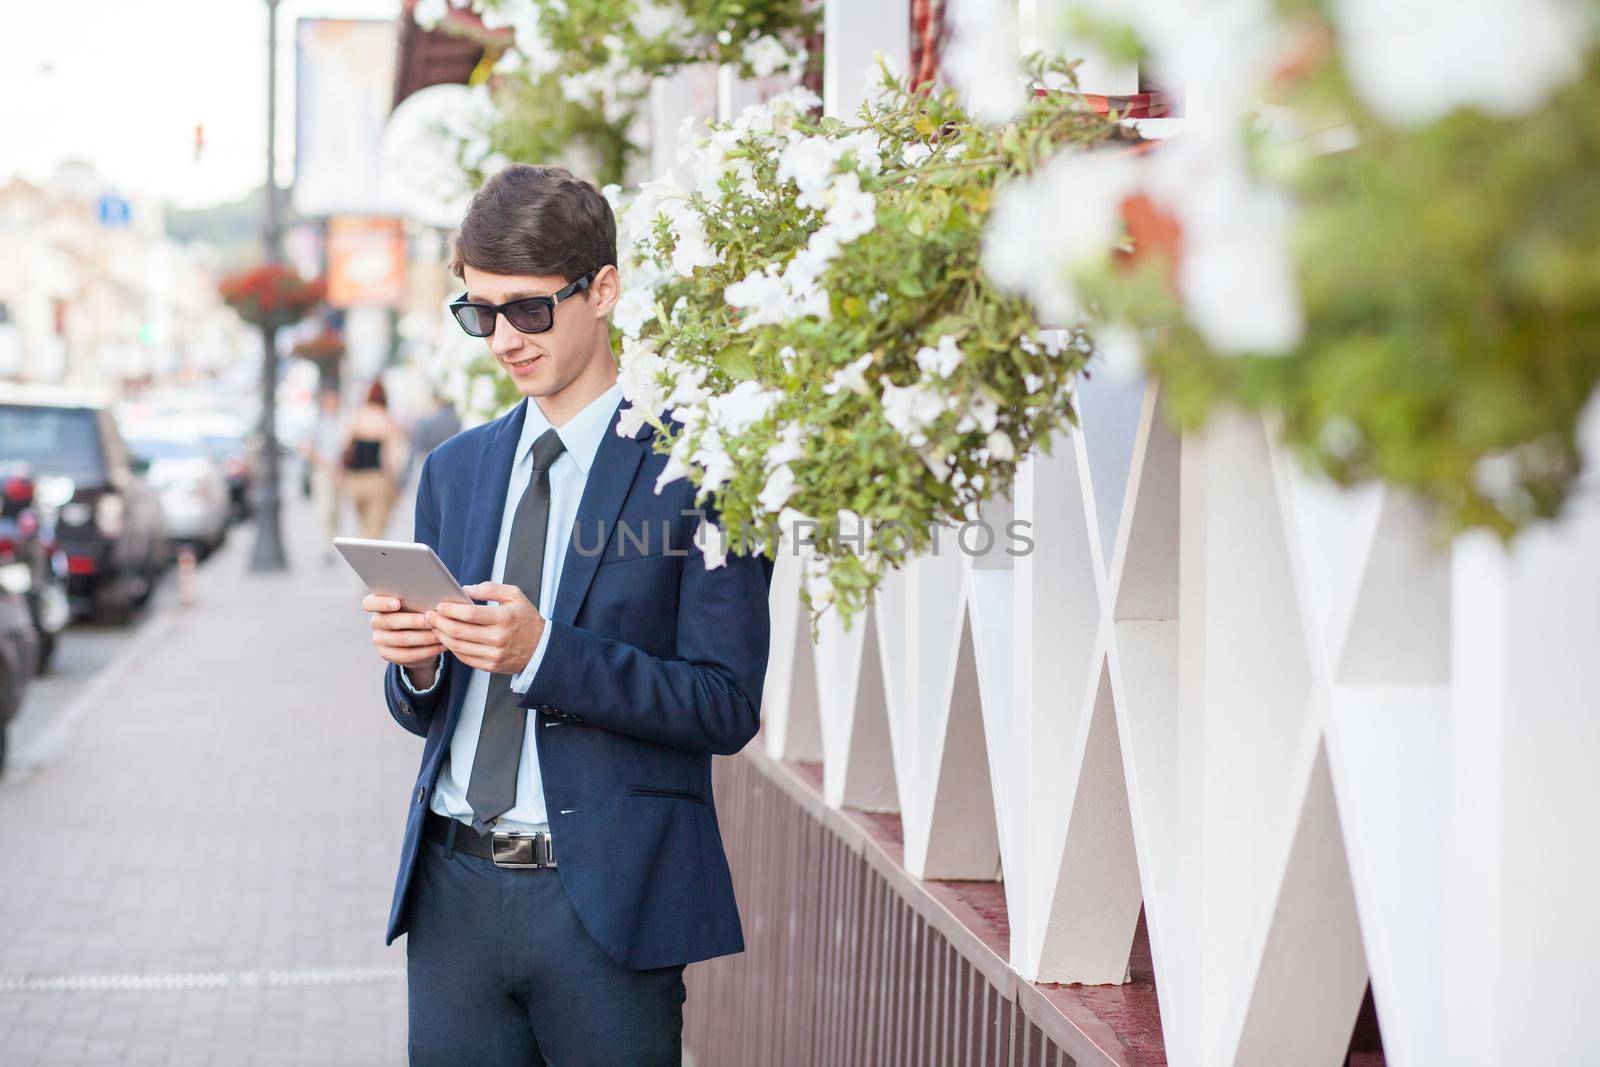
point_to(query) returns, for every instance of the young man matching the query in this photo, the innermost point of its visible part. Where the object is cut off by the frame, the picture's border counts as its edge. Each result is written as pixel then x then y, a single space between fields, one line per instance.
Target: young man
pixel 562 861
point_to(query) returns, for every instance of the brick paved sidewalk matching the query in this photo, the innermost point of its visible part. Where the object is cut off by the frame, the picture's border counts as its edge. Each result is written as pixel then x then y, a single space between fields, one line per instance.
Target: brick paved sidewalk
pixel 202 874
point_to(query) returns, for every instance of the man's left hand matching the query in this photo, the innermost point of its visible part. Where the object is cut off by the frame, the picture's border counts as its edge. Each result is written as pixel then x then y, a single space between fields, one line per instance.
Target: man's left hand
pixel 500 638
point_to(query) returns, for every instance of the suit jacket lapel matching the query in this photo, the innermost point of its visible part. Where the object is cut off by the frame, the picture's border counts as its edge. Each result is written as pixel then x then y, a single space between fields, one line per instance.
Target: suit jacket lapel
pixel 611 476
pixel 489 498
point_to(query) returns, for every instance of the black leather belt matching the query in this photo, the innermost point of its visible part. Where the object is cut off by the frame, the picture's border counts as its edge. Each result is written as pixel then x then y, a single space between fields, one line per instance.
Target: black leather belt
pixel 502 848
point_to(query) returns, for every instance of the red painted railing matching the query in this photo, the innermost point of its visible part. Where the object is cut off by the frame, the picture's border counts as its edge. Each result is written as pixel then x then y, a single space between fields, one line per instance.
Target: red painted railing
pixel 850 960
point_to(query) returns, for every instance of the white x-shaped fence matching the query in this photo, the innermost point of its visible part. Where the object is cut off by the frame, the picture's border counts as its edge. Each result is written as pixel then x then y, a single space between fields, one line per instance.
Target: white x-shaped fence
pixel 1317 744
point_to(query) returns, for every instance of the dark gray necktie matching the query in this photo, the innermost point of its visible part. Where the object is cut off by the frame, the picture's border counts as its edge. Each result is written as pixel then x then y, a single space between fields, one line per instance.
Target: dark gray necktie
pixel 492 789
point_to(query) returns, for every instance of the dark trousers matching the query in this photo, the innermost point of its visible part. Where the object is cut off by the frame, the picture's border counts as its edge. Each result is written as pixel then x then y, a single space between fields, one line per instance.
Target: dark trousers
pixel 501 971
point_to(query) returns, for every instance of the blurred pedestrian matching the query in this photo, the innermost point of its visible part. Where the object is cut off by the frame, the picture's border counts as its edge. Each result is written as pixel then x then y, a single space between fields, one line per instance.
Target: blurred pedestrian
pixel 324 452
pixel 372 456
pixel 432 430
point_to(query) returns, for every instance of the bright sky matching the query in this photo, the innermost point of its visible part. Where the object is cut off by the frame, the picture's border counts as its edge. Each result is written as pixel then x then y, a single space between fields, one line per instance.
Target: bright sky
pixel 123 83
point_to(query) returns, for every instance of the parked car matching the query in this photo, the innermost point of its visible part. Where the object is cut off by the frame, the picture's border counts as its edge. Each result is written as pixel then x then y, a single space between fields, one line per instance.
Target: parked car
pixel 238 455
pixel 19 652
pixel 191 484
pixel 107 518
pixel 229 437
pixel 31 564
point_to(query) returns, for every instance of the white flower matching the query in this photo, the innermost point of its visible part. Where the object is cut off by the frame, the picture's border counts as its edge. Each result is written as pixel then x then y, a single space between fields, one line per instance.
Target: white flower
pixel 690 248
pixel 654 21
pixel 429 13
pixel 851 376
pixel 495 15
pixel 530 40
pixel 789 103
pixel 914 153
pixel 1418 61
pixel 983 58
pixel 911 408
pixel 740 407
pixel 789 446
pixel 941 361
pixel 510 62
pixel 712 542
pixel 1000 446
pixel 630 420
pixel 580 87
pixel 716 465
pixel 808 162
pixel 1046 230
pixel 633 309
pixel 810 303
pixel 1048 341
pixel 806 267
pixel 779 488
pixel 640 376
pixel 641 214
pixel 1119 347
pixel 982 414
pixel 765 56
pixel 851 210
pixel 763 296
pixel 666 197
pixel 1236 275
pixel 688 389
pixel 866 147
pixel 676 467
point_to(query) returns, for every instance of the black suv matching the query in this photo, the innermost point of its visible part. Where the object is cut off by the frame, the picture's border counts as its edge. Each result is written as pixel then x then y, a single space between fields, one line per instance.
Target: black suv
pixel 107 519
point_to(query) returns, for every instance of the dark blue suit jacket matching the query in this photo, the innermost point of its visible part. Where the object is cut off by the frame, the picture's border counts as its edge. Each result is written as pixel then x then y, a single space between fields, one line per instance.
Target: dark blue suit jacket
pixel 654 663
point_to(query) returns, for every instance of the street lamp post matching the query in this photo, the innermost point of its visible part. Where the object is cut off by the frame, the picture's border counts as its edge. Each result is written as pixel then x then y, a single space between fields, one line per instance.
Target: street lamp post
pixel 267 553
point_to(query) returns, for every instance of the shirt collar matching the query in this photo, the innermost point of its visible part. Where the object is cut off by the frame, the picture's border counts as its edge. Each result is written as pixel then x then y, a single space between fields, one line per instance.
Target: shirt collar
pixel 581 435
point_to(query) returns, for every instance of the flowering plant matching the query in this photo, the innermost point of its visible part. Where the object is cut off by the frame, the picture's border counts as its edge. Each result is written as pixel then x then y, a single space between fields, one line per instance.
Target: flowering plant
pixel 807 323
pixel 573 77
pixel 271 295
pixel 1381 234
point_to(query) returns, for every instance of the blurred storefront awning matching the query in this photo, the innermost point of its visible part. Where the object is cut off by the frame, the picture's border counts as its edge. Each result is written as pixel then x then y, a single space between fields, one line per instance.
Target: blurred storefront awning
pixel 437 56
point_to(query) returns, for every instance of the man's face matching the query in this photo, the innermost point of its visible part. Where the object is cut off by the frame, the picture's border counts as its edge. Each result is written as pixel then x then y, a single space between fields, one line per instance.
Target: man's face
pixel 541 364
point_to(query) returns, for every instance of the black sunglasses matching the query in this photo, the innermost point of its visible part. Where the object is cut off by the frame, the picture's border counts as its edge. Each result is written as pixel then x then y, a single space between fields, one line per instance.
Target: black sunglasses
pixel 530 314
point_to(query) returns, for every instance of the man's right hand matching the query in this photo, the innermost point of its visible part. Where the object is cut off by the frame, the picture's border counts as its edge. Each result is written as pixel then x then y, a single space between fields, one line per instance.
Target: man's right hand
pixel 404 638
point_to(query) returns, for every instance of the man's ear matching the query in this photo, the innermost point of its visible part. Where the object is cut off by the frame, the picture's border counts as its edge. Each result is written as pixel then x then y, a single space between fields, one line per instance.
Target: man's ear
pixel 605 290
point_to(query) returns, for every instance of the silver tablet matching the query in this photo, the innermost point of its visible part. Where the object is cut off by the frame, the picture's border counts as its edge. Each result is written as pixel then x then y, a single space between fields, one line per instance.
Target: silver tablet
pixel 405 569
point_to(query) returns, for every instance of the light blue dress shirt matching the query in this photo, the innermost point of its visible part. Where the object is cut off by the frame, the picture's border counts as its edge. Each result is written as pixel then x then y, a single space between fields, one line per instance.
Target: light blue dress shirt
pixel 568 475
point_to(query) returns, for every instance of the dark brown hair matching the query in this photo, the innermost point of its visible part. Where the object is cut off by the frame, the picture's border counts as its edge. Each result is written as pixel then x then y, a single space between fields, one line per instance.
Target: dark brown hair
pixel 376 394
pixel 536 220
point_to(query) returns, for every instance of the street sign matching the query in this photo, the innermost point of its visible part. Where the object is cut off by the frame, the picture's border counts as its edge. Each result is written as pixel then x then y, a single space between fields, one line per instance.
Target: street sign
pixel 366 262
pixel 114 211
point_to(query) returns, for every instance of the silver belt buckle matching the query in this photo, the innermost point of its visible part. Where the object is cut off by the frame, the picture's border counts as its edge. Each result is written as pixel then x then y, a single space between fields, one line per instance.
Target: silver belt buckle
pixel 522 850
